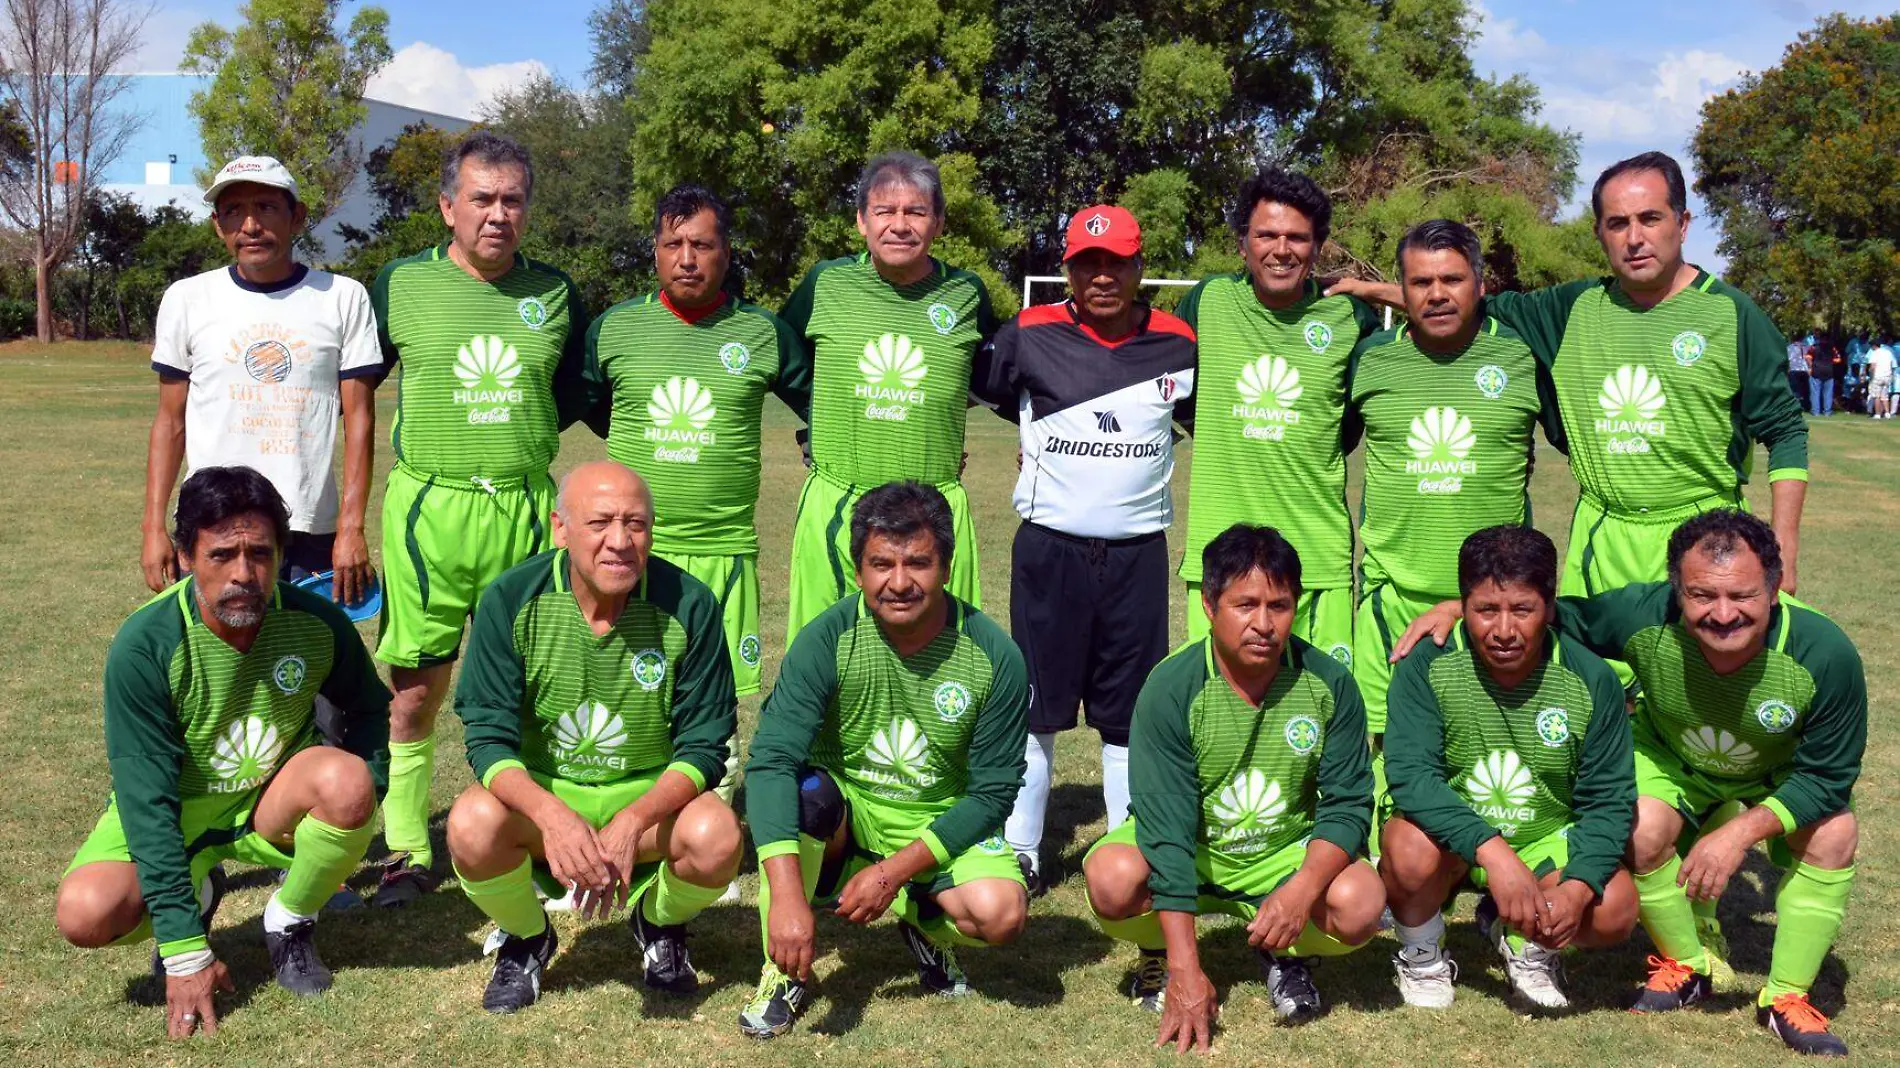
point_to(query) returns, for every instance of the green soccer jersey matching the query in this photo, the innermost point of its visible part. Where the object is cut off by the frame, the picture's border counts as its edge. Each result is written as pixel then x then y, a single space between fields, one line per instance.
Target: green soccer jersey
pixel 1660 405
pixel 1447 449
pixel 1467 760
pixel 492 372
pixel 939 733
pixel 1268 403
pixel 1207 771
pixel 540 690
pixel 890 369
pixel 1793 719
pixel 683 403
pixel 189 717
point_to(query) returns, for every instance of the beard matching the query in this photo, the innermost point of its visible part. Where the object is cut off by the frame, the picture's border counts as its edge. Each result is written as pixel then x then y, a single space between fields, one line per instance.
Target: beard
pixel 239 608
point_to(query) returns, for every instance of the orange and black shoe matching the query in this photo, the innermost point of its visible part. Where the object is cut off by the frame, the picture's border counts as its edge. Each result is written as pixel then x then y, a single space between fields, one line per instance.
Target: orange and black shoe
pixel 1801 1026
pixel 1672 985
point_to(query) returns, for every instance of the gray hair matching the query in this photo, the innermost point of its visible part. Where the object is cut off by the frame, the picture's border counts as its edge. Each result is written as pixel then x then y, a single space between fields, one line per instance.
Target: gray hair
pixel 901 168
pixel 487 148
pixel 1443 235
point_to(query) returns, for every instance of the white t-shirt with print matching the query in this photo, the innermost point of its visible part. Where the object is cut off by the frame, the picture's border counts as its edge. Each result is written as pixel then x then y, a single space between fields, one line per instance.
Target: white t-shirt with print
pixel 265 363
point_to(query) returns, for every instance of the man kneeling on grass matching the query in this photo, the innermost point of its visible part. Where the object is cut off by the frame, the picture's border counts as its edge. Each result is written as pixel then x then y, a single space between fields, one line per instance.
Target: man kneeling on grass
pixel 1251 788
pixel 597 698
pixel 885 762
pixel 1509 762
pixel 215 754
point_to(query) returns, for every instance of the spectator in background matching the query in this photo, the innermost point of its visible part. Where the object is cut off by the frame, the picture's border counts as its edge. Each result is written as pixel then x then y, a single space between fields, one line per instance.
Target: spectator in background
pixel 1880 391
pixel 1824 367
pixel 1798 369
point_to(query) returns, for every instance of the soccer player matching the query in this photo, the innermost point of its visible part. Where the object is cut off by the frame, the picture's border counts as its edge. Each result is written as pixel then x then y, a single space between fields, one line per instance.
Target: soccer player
pixel 686 371
pixel 1096 383
pixel 255 361
pixel 1275 372
pixel 1252 794
pixel 492 347
pixel 1446 405
pixel 892 333
pixel 597 700
pixel 215 754
pixel 1750 698
pixel 884 763
pixel 1665 377
pixel 1510 766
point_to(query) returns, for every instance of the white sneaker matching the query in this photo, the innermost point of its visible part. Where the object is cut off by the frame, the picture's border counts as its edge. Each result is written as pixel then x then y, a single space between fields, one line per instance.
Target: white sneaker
pixel 1425 976
pixel 1534 974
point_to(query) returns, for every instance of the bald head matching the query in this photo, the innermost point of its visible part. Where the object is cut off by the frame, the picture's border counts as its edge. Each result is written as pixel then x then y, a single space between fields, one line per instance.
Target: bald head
pixel 605 522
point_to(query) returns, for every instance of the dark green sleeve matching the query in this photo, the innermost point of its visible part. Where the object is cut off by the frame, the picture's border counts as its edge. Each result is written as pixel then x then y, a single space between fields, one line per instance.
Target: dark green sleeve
pixel 1370 320
pixel 1164 790
pixel 1603 798
pixel 781 746
pixel 1540 315
pixel 492 686
pixel 1833 739
pixel 598 403
pixel 1549 413
pixel 1344 815
pixel 996 761
pixel 705 706
pixel 993 378
pixel 1189 310
pixel 1352 426
pixel 145 750
pixel 1605 623
pixel 379 303
pixel 797 309
pixel 1415 761
pixel 1769 408
pixel 793 384
pixel 361 699
pixel 986 323
pixel 574 393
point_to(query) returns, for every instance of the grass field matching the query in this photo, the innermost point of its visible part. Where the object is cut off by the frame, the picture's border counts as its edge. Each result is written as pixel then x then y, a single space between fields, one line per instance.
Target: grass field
pixel 73 425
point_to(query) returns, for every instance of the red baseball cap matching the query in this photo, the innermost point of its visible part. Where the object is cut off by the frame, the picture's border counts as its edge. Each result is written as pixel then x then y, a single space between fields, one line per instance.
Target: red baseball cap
pixel 1105 227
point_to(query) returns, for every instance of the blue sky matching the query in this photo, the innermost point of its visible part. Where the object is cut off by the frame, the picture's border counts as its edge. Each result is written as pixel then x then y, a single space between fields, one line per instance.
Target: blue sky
pixel 1629 75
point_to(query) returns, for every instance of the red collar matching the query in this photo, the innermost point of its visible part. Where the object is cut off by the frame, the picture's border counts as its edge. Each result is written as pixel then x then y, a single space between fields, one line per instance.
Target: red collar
pixel 691 316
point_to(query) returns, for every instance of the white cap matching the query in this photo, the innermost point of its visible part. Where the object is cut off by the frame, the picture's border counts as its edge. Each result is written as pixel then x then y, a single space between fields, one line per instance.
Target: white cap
pixel 258 170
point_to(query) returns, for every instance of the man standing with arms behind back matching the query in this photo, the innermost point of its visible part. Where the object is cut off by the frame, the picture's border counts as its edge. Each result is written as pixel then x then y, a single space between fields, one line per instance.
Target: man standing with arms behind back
pixel 491 346
pixel 893 333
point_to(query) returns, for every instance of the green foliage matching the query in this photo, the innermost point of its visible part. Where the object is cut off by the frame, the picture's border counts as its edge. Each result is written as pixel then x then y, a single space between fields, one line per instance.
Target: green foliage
pixel 1162 202
pixel 1799 166
pixel 16 317
pixel 621 40
pixel 286 84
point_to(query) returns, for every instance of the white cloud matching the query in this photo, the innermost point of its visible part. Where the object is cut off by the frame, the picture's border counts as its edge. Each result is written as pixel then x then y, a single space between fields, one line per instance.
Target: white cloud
pixel 1661 114
pixel 1504 43
pixel 420 75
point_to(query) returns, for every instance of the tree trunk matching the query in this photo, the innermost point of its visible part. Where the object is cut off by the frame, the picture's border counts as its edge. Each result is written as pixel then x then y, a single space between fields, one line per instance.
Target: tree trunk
pixel 43 285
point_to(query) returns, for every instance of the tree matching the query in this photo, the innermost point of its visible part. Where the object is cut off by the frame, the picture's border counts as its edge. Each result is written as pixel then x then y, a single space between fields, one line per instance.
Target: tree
pixel 1800 165
pixel 405 175
pixel 284 84
pixel 621 42
pixel 57 59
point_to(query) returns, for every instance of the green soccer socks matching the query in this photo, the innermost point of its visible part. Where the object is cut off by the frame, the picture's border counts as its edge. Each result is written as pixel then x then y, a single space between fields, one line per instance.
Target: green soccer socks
pixel 322 856
pixel 406 808
pixel 673 900
pixel 509 900
pixel 1668 918
pixel 1808 910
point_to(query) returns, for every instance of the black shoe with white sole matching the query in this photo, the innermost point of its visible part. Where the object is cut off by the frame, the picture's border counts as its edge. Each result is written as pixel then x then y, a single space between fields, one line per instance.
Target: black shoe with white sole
pixel 519 964
pixel 294 960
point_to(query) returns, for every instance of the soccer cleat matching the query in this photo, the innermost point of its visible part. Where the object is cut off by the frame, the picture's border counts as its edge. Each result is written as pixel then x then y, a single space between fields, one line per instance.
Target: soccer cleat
pixel 1426 978
pixel 1147 985
pixel 937 967
pixel 1672 985
pixel 775 1006
pixel 1487 918
pixel 1039 876
pixel 663 954
pixel 1715 947
pixel 210 896
pixel 1535 974
pixel 1290 984
pixel 519 963
pixel 293 957
pixel 403 882
pixel 1801 1026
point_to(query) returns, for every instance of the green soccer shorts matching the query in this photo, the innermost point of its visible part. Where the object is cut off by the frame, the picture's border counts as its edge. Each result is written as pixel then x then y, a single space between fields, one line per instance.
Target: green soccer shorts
pixel 1226 888
pixel 1542 856
pixel 1321 617
pixel 216 828
pixel 734 580
pixel 598 804
pixel 881 828
pixel 1385 611
pixel 444 541
pixel 1610 550
pixel 822 569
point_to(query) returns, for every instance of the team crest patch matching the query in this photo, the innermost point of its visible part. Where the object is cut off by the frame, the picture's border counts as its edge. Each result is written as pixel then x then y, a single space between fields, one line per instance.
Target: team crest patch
pixel 1097 225
pixel 1342 653
pixel 734 357
pixel 1302 734
pixel 1318 336
pixel 1553 727
pixel 1775 716
pixel 532 312
pixel 749 650
pixel 268 360
pixel 289 674
pixel 952 700
pixel 1492 380
pixel 649 668
pixel 1688 347
pixel 993 846
pixel 943 317
pixel 1167 387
